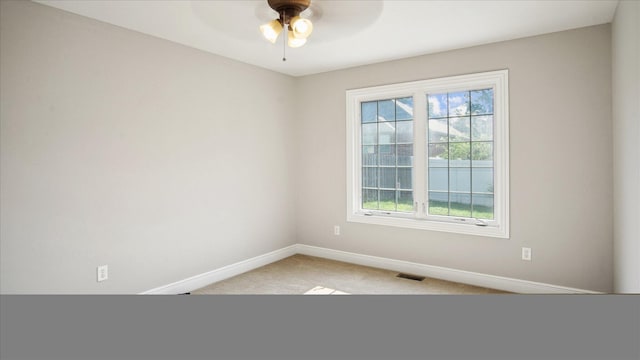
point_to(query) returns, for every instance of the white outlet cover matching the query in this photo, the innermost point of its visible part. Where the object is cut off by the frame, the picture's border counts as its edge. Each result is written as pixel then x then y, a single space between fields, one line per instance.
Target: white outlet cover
pixel 103 273
pixel 526 254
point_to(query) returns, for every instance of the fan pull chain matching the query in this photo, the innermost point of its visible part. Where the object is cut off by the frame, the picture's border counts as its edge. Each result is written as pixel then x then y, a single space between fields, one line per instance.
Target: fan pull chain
pixel 284 37
pixel 284 44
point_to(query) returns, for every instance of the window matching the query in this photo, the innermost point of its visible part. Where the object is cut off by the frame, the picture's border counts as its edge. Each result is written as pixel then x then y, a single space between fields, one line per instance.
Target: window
pixel 431 154
pixel 387 149
pixel 460 154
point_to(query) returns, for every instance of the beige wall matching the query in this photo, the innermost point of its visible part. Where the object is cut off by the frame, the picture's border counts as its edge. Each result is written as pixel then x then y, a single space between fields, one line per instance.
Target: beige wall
pixel 561 171
pixel 626 152
pixel 118 148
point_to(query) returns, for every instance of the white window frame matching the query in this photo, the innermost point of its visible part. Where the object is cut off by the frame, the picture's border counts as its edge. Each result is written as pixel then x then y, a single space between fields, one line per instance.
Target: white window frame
pixel 499 227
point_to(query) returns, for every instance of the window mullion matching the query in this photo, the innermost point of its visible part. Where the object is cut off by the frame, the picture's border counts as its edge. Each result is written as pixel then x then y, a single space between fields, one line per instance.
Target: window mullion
pixel 419 152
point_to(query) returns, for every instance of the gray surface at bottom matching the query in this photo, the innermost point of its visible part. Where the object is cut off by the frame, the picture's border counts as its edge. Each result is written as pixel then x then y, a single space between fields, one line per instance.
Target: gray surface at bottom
pixel 518 327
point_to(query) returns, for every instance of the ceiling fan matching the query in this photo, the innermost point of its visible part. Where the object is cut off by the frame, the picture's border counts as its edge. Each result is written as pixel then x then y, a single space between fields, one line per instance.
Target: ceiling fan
pixel 297 29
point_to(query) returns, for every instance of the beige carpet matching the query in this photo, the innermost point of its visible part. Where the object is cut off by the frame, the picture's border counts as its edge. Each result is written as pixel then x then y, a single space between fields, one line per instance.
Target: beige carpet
pixel 300 274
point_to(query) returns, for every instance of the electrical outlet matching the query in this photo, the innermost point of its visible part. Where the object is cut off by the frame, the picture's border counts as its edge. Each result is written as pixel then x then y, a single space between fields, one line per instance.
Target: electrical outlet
pixel 336 230
pixel 526 254
pixel 103 273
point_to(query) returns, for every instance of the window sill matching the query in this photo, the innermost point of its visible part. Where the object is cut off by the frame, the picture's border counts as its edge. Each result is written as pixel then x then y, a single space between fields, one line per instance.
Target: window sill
pixel 426 224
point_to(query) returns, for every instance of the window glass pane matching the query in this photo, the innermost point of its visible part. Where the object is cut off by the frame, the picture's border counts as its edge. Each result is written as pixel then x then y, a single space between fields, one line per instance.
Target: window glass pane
pixel 369 199
pixel 482 206
pixel 388 178
pixel 388 200
pixel 386 110
pixel 370 134
pixel 380 134
pixel 369 111
pixel 460 179
pixel 370 177
pixel 451 151
pixel 404 131
pixel 405 155
pixel 387 155
pixel 460 154
pixel 459 129
pixel 482 180
pixel 404 178
pixel 405 201
pixel 386 133
pixel 404 108
pixel 460 205
pixel 369 155
pixel 482 154
pixel 459 103
pixel 482 128
pixel 438 155
pixel 438 179
pixel 438 131
pixel 437 105
pixel 438 203
pixel 482 101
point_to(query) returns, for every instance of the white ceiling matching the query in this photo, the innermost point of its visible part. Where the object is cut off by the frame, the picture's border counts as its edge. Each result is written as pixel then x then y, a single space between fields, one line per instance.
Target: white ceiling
pixel 346 32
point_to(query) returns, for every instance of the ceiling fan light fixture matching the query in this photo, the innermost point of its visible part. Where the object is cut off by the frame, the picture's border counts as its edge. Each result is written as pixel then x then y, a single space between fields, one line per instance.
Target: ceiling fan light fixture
pixel 300 27
pixel 289 19
pixel 295 42
pixel 271 30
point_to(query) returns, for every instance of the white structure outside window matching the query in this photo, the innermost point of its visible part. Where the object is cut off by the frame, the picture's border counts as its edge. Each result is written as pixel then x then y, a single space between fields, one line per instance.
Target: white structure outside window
pixel 431 154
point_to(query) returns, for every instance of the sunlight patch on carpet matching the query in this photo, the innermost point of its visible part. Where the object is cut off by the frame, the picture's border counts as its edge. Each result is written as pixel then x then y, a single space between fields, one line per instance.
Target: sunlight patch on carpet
pixel 321 290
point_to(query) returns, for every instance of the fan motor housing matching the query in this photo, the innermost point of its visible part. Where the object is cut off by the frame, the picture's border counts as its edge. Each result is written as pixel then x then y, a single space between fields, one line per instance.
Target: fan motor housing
pixel 290 8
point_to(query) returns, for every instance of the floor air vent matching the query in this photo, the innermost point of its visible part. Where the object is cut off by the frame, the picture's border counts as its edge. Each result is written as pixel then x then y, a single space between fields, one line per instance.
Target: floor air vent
pixel 410 277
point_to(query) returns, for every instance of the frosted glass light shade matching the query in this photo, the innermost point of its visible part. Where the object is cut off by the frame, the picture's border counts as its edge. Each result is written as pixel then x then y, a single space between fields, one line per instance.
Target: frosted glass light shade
pixel 295 42
pixel 301 28
pixel 271 30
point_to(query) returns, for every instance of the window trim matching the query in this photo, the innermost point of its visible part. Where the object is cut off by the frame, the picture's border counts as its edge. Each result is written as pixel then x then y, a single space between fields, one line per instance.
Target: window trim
pixel 498 80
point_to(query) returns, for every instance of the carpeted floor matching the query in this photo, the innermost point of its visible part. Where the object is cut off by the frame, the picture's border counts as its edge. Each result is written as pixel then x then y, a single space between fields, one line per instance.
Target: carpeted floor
pixel 300 274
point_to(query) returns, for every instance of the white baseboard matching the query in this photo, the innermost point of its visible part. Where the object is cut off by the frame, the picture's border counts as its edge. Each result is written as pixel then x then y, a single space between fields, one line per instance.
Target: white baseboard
pixel 225 272
pixel 438 272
